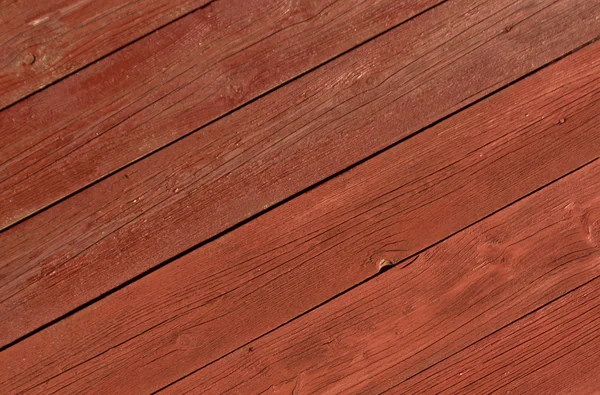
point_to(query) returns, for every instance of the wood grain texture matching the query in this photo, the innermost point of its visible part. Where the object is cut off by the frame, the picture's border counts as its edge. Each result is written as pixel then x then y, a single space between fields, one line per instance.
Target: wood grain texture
pixel 296 136
pixel 168 85
pixel 42 41
pixel 409 318
pixel 236 288
pixel 555 350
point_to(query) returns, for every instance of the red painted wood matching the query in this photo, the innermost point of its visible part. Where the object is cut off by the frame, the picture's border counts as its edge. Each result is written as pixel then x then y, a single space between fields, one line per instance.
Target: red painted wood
pixel 259 276
pixel 169 84
pixel 44 40
pixel 555 350
pixel 274 148
pixel 460 291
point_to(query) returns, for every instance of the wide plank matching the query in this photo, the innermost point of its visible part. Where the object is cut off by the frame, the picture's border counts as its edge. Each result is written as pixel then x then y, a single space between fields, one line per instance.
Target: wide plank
pixel 170 84
pixel 555 350
pixel 42 41
pixel 445 299
pixel 312 128
pixel 230 291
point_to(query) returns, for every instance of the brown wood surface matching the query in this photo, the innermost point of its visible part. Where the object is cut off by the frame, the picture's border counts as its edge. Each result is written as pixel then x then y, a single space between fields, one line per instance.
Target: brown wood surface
pixel 169 84
pixel 42 41
pixel 296 136
pixel 263 274
pixel 460 291
pixel 555 350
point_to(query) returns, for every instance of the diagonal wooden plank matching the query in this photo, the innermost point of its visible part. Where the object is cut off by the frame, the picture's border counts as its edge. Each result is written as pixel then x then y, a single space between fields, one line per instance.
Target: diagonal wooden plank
pixel 555 350
pixel 165 86
pixel 263 274
pixel 458 292
pixel 43 41
pixel 320 124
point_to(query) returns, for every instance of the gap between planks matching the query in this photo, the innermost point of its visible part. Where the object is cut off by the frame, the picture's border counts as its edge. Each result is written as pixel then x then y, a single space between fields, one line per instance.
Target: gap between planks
pixel 48 298
pixel 34 66
pixel 465 290
pixel 161 108
pixel 524 144
pixel 455 363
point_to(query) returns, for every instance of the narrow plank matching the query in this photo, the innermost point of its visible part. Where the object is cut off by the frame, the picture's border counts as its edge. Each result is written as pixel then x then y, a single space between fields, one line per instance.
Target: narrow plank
pixel 556 350
pixel 266 272
pixel 169 84
pixel 399 323
pixel 43 41
pixel 295 137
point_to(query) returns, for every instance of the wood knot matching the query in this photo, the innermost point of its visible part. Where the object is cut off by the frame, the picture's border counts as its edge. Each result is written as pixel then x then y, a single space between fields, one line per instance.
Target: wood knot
pixel 184 341
pixel 302 10
pixel 29 59
pixel 591 223
pixel 507 28
pixel 235 91
pixel 383 265
pixel 374 80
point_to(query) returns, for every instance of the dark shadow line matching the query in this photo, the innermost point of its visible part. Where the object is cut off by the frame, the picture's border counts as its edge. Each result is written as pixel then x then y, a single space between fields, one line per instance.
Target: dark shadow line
pixel 406 262
pixel 93 62
pixel 229 112
pixel 295 195
pixel 535 310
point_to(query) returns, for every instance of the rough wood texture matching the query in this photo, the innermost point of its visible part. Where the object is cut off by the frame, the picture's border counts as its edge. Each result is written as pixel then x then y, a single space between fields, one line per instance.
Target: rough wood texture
pixel 232 290
pixel 555 350
pixel 182 195
pixel 402 322
pixel 169 84
pixel 44 40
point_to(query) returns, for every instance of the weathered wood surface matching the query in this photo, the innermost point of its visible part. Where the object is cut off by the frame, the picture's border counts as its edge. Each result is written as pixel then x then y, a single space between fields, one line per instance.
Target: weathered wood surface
pixel 42 41
pixel 296 136
pixel 170 84
pixel 449 297
pixel 263 274
pixel 555 350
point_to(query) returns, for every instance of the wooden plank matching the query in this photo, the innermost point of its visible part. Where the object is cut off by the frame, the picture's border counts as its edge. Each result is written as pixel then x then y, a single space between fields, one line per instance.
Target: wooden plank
pixel 556 350
pixel 259 276
pixel 169 84
pixel 399 323
pixel 295 137
pixel 43 41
